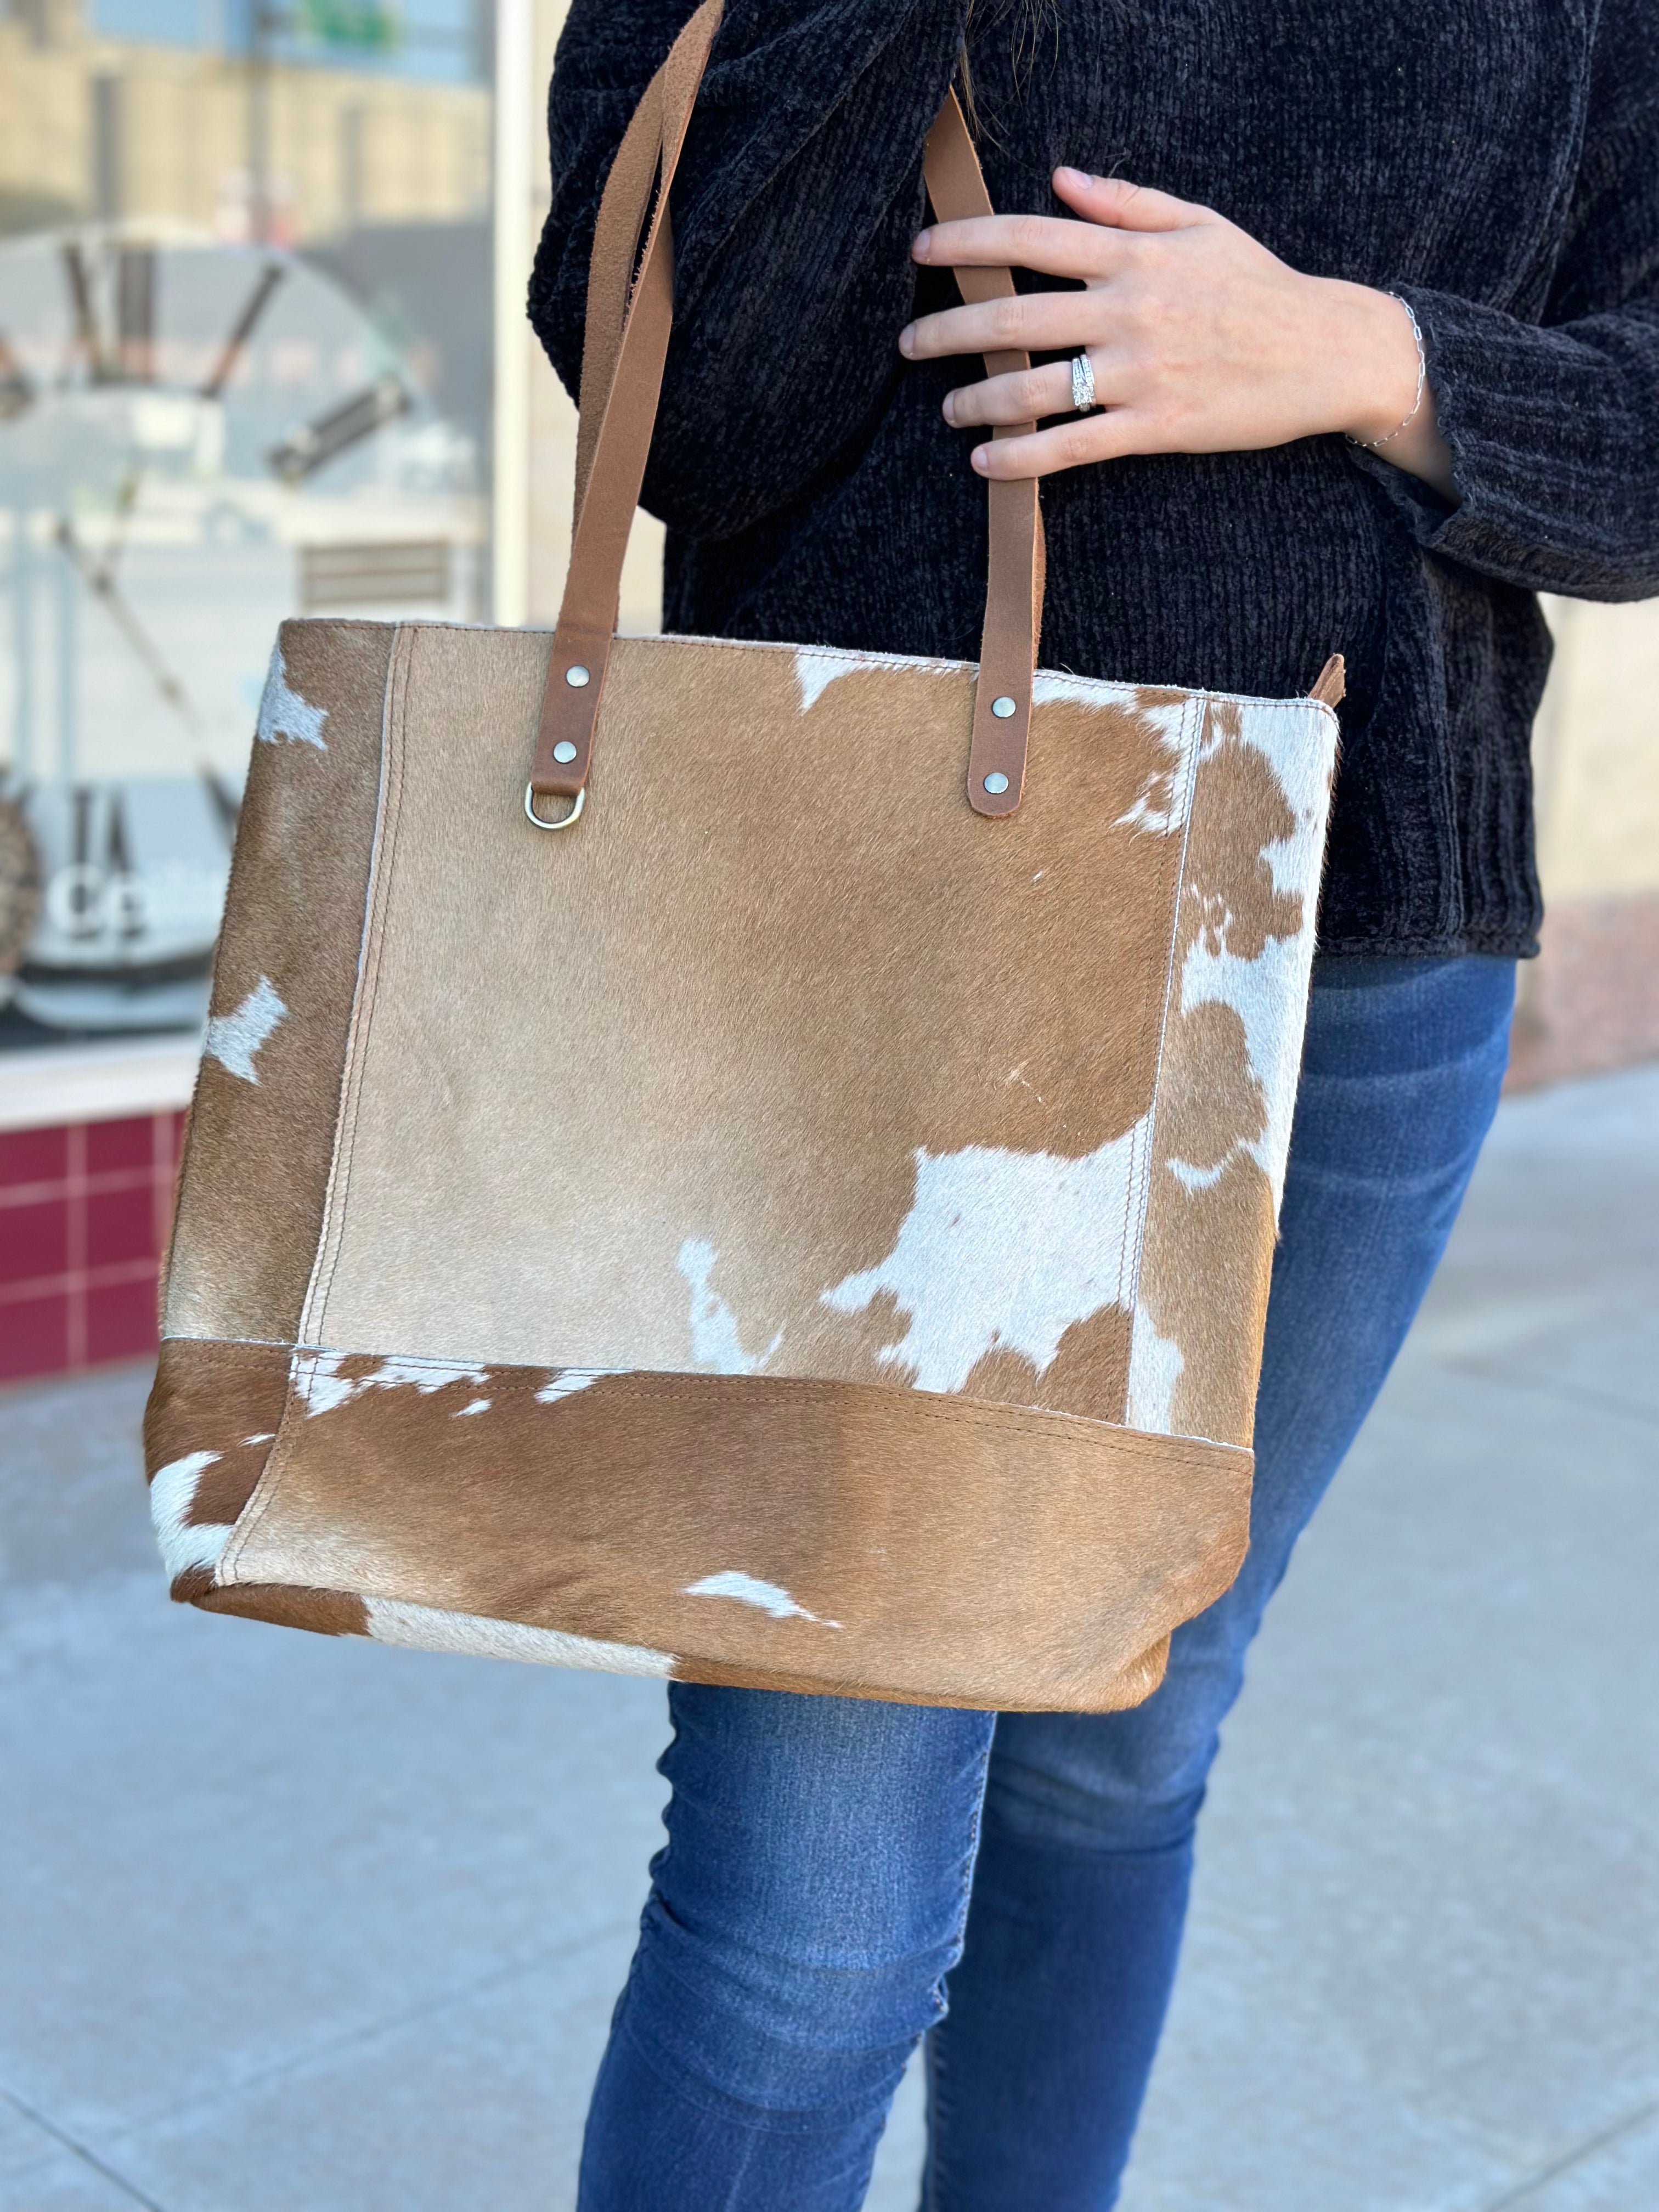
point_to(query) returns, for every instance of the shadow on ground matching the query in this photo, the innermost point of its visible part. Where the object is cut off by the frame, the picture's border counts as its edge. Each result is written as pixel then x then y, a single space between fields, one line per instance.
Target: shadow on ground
pixel 289 1923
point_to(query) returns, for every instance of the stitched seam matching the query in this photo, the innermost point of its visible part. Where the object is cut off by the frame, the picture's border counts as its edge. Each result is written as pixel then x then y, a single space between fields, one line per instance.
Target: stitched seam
pixel 969 1413
pixel 277 1460
pixel 325 1228
pixel 1118 685
pixel 1189 769
pixel 1128 1254
pixel 970 1861
pixel 666 1382
pixel 272 1343
pixel 397 693
pixel 1110 687
pixel 258 1500
pixel 1156 1440
pixel 1193 720
pixel 237 1343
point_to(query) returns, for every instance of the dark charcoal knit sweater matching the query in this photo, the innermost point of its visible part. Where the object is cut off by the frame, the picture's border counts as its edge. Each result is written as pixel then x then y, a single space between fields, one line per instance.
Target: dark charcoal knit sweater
pixel 1497 165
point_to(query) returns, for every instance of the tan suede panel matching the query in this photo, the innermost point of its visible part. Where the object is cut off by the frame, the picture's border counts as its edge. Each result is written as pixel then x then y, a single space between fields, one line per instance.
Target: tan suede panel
pixel 873 1540
pixel 1243 949
pixel 781 1058
pixel 262 1128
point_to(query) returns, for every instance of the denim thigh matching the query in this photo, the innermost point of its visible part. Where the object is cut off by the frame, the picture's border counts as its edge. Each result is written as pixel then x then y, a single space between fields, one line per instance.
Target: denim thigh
pixel 811 1898
pixel 1402 1071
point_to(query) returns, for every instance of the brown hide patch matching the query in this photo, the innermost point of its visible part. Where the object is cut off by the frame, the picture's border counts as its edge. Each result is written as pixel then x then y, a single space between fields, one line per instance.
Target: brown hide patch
pixel 226 1399
pixel 853 1347
pixel 1215 1311
pixel 1209 1101
pixel 1044 1554
pixel 1090 1369
pixel 326 1613
pixel 257 1160
pixel 1091 1366
pixel 1144 724
pixel 844 972
pixel 1005 1378
pixel 1239 809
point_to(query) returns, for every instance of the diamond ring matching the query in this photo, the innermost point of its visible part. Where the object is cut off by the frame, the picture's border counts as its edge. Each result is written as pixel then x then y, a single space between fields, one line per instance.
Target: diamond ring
pixel 1083 383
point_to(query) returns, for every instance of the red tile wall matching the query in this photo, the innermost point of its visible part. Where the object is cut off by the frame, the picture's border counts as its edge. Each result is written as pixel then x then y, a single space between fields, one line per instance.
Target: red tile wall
pixel 84 1213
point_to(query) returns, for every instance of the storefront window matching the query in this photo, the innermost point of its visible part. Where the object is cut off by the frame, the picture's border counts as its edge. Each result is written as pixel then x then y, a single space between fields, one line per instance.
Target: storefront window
pixel 245 372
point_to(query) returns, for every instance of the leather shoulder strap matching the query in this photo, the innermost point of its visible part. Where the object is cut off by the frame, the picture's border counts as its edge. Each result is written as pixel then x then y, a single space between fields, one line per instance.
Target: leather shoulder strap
pixel 1013 591
pixel 627 329
pixel 628 319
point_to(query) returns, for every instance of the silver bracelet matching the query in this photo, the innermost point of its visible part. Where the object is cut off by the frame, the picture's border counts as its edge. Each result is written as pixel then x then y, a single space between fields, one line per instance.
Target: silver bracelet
pixel 1376 445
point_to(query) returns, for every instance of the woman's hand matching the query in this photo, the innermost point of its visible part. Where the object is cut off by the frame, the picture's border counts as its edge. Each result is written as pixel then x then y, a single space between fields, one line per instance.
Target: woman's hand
pixel 1201 340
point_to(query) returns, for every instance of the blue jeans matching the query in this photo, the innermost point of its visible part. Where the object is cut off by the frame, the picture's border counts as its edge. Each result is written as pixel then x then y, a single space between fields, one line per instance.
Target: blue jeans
pixel 836 1869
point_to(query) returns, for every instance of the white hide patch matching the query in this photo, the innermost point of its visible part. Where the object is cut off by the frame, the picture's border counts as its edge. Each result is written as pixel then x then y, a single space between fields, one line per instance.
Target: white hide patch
pixel 816 668
pixel 1269 993
pixel 172 1493
pixel 284 713
pixel 1155 1367
pixel 321 1388
pixel 1050 686
pixel 1164 800
pixel 749 1589
pixel 564 1382
pixel 478 1406
pixel 1193 1178
pixel 715 1344
pixel 1005 1251
pixel 426 1628
pixel 232 1039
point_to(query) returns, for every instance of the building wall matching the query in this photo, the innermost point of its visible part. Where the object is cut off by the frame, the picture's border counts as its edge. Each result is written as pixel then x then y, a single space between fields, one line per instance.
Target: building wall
pixel 1592 1000
pixel 84 1211
pixel 346 147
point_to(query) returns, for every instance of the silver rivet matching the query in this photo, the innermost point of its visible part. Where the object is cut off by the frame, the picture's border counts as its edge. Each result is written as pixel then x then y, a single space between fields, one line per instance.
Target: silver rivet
pixel 564 751
pixel 1002 708
pixel 996 783
pixel 577 676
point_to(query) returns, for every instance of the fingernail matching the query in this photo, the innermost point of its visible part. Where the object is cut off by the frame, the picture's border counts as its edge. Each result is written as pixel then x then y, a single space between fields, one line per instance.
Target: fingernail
pixel 923 246
pixel 982 457
pixel 1077 179
pixel 906 337
pixel 951 408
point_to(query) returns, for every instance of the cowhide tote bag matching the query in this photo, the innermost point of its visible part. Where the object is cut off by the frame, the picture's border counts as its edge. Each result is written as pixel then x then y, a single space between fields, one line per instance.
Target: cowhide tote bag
pixel 793 1207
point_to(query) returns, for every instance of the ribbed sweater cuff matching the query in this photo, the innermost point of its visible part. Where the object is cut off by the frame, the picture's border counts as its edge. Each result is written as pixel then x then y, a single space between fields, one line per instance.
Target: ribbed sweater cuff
pixel 1551 433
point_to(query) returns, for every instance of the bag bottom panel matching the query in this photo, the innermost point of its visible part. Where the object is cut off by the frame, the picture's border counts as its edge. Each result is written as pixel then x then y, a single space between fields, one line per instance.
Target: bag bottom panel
pixel 828 1537
pixel 339 1612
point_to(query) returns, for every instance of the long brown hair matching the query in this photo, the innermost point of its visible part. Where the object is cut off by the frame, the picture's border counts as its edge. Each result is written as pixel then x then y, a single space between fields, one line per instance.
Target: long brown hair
pixel 1030 19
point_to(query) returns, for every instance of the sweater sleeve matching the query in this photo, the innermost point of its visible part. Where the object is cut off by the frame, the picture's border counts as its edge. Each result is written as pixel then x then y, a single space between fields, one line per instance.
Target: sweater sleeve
pixel 1553 425
pixel 797 193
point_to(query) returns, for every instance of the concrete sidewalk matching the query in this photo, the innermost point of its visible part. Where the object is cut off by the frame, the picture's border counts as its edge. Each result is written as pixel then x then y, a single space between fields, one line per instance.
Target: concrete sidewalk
pixel 291 1925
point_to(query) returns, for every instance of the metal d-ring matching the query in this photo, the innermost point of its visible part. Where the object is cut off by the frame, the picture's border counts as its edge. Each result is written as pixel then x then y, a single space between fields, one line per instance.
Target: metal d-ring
pixel 574 814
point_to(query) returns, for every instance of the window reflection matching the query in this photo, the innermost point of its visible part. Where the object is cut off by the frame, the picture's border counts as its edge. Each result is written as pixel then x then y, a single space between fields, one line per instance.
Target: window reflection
pixel 245 317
